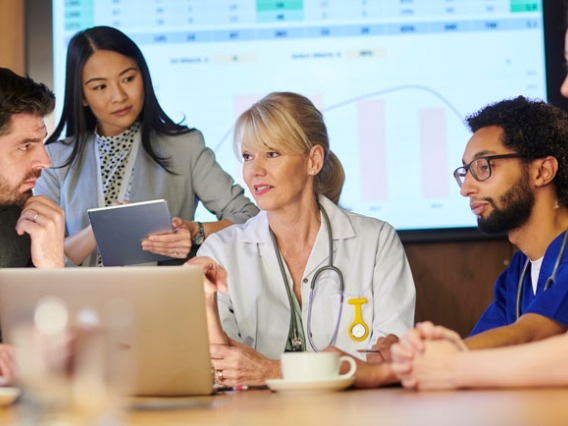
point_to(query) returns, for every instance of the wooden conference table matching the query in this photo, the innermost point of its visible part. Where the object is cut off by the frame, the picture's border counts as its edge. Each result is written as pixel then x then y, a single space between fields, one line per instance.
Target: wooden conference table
pixel 389 406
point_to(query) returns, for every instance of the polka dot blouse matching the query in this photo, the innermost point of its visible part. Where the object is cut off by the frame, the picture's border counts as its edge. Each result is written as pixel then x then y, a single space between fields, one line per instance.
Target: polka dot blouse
pixel 114 152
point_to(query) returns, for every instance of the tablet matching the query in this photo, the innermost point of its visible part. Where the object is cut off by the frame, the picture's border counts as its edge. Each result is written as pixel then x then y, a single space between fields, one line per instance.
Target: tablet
pixel 119 231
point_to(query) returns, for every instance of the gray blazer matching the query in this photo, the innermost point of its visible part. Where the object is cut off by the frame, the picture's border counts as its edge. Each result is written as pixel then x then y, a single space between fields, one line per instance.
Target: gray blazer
pixel 198 178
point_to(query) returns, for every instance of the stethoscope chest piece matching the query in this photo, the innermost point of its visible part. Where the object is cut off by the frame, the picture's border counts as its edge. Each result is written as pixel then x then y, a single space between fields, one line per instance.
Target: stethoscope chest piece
pixel 358 329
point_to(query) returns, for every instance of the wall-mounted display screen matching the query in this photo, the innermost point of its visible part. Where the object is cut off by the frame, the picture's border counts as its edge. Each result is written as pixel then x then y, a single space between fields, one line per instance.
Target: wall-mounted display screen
pixel 394 79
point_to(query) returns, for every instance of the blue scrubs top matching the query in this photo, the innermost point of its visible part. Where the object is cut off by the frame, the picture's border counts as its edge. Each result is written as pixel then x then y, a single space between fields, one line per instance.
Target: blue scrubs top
pixel 552 303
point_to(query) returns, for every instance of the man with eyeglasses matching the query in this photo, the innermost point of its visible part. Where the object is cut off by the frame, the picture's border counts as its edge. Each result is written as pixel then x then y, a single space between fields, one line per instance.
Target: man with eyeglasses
pixel 515 173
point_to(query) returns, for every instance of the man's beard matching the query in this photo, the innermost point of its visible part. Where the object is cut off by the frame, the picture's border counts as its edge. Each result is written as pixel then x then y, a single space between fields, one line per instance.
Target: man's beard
pixel 11 196
pixel 517 203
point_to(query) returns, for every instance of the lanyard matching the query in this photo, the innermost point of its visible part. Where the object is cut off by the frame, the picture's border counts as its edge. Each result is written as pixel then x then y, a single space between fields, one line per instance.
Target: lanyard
pixel 297 344
pixel 128 169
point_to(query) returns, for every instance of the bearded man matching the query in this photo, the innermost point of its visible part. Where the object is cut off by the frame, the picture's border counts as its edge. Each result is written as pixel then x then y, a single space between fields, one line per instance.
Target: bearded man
pixel 31 227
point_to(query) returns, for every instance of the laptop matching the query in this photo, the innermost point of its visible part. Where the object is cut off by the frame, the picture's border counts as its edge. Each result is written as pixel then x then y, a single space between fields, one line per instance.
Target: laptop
pixel 168 339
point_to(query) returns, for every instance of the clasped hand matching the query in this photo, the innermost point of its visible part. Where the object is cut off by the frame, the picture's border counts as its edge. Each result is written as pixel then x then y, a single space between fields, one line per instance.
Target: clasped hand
pixel 423 359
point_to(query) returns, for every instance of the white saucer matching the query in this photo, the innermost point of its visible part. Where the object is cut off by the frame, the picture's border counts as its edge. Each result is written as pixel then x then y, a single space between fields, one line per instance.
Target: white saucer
pixel 330 385
pixel 8 395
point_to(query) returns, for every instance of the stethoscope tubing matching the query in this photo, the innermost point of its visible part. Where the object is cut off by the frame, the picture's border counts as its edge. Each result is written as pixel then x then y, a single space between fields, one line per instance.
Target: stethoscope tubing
pixel 293 333
pixel 311 297
pixel 549 281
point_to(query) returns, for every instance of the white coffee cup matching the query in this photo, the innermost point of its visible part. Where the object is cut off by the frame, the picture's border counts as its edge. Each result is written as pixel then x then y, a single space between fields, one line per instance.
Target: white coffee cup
pixel 313 366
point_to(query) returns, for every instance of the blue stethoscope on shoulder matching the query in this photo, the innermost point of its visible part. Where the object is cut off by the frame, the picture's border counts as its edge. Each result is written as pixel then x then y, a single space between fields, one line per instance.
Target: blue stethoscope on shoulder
pixel 549 281
pixel 296 343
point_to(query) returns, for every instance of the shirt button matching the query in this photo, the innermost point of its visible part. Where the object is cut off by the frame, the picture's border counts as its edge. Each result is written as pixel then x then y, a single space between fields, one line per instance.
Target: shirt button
pixel 305 280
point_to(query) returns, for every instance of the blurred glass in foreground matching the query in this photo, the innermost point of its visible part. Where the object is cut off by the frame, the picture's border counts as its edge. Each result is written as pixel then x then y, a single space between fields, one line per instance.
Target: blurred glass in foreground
pixel 74 367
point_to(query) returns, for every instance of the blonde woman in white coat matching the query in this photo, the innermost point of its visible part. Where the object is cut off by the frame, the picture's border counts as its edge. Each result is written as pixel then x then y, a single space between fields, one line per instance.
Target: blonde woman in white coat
pixel 296 181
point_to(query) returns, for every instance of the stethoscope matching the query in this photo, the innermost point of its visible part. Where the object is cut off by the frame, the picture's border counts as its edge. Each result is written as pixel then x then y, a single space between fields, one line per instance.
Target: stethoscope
pixel 294 337
pixel 549 281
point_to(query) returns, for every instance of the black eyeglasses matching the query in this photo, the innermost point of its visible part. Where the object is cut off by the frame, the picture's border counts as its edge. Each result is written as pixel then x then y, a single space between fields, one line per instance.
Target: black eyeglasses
pixel 480 168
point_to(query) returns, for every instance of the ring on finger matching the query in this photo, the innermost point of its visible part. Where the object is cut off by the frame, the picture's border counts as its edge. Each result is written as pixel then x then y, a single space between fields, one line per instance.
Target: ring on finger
pixel 219 376
pixel 34 219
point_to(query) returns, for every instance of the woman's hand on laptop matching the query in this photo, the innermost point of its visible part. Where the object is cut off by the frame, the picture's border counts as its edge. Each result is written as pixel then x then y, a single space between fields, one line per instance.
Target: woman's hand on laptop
pixel 215 274
pixel 215 279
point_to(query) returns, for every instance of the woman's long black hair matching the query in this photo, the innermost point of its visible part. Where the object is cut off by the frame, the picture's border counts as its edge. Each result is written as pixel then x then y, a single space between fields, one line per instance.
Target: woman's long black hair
pixel 79 120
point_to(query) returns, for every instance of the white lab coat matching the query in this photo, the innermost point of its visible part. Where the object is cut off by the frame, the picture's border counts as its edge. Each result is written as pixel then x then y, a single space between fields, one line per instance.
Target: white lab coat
pixel 370 255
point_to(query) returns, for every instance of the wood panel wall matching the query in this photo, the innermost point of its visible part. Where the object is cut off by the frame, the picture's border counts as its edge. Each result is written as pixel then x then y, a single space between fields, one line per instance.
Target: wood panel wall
pixel 12 37
pixel 454 281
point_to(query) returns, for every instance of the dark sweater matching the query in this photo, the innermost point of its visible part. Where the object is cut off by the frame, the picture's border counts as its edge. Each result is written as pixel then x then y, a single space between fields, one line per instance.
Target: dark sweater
pixel 14 249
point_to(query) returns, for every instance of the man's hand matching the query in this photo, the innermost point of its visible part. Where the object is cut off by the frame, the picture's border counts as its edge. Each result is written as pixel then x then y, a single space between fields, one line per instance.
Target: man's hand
pixel 44 221
pixel 412 347
pixel 434 368
pixel 429 331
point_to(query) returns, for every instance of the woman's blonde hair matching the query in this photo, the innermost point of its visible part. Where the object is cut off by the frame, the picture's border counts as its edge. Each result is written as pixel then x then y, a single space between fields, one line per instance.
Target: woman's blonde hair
pixel 290 123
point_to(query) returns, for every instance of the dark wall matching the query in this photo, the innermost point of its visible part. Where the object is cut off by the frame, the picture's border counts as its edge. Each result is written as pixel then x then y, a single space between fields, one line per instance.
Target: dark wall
pixel 554 16
pixel 454 280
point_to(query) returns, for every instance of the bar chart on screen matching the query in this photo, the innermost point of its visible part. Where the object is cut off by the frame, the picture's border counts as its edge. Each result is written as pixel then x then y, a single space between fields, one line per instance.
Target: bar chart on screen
pixel 394 79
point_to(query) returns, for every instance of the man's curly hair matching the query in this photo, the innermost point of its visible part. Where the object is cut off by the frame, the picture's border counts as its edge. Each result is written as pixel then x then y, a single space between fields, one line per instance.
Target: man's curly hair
pixel 532 128
pixel 22 95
